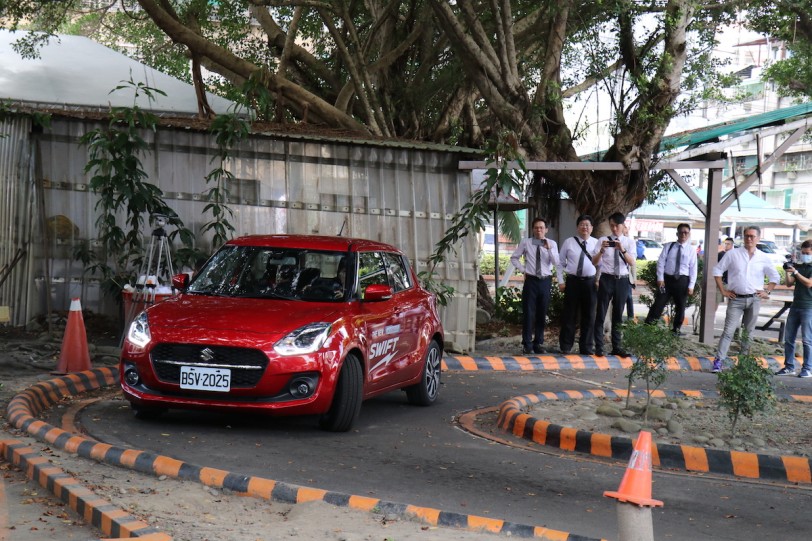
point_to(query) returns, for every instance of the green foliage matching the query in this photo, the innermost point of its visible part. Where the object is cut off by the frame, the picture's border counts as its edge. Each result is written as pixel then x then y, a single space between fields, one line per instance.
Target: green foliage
pixel 120 182
pixel 500 177
pixel 745 388
pixel 486 262
pixel 228 131
pixel 509 304
pixel 651 345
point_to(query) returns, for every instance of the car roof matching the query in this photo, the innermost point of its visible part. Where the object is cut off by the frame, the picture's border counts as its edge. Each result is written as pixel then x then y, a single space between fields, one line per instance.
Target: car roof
pixel 313 242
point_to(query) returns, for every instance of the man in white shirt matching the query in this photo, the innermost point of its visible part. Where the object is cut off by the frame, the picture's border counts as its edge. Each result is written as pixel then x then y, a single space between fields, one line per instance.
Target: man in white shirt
pixel 613 260
pixel 676 277
pixel 746 268
pixel 579 289
pixel 540 255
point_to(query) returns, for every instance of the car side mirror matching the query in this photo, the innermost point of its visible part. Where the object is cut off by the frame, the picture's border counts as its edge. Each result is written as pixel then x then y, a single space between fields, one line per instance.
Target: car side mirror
pixel 180 281
pixel 377 292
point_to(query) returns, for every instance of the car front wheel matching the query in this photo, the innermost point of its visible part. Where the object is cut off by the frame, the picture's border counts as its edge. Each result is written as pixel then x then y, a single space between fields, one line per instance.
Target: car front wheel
pixel 347 398
pixel 425 392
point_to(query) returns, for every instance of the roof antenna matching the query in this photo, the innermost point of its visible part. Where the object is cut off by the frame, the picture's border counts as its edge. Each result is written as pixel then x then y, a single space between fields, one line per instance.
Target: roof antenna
pixel 341 232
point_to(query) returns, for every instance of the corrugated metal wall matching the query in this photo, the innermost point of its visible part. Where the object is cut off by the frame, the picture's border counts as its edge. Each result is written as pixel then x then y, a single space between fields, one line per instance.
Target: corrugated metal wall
pixel 397 194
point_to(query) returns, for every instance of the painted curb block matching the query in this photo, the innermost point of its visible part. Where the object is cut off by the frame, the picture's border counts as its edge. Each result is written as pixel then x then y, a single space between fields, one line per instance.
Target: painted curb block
pixel 682 457
pixel 108 518
pixel 23 408
pixel 576 362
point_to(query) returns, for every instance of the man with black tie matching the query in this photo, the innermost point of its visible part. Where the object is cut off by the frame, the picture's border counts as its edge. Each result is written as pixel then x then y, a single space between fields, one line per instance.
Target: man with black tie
pixel 615 256
pixel 540 256
pixel 676 277
pixel 579 290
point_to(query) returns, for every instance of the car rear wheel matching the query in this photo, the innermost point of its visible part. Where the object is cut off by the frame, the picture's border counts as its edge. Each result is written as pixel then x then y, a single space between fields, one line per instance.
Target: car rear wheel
pixel 347 399
pixel 425 392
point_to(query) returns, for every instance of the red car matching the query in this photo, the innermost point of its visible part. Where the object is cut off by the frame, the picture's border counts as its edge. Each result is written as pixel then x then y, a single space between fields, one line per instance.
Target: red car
pixel 287 324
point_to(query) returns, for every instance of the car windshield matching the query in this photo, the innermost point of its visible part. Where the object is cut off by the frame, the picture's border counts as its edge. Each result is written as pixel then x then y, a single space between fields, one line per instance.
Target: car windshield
pixel 268 272
pixel 765 248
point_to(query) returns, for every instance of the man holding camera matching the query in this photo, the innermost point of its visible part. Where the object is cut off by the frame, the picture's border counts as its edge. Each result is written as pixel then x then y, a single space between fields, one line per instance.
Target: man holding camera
pixel 676 277
pixel 746 269
pixel 540 256
pixel 614 259
pixel 800 313
pixel 580 295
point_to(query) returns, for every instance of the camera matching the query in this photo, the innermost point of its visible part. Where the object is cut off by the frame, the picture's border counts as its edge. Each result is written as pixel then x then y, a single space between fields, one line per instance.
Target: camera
pixel 611 243
pixel 788 264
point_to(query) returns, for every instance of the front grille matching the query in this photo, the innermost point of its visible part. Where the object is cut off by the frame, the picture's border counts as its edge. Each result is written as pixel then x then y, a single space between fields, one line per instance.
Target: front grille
pixel 246 365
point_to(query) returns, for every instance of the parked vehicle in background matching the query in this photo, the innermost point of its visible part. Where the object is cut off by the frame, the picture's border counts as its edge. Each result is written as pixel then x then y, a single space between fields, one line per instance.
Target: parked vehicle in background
pixel 651 249
pixel 775 248
pixel 776 258
pixel 287 324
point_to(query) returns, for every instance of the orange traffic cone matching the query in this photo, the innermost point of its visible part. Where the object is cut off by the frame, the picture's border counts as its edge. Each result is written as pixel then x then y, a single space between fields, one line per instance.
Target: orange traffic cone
pixel 75 356
pixel 636 484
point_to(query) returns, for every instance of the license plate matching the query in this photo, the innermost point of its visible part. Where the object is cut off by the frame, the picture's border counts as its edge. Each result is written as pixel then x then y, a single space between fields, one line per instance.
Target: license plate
pixel 205 379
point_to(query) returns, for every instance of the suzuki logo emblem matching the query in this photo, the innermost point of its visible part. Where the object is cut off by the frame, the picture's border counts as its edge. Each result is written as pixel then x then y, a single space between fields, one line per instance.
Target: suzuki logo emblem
pixel 206 355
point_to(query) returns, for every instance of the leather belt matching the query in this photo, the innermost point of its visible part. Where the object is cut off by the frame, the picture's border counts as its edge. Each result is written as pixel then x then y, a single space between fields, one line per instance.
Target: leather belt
pixel 749 295
pixel 581 277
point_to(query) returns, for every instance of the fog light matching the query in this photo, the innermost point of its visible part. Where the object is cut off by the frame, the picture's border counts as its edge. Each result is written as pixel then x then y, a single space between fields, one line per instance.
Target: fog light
pixel 131 377
pixel 302 387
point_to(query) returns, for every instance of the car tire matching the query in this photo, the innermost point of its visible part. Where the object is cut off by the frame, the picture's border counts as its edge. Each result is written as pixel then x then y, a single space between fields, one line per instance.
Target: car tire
pixel 144 413
pixel 425 392
pixel 347 398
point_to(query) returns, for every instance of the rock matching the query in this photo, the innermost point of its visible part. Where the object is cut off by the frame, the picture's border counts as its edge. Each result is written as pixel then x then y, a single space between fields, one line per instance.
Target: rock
pixel 674 427
pixel 658 413
pixel 701 439
pixel 608 410
pixel 626 425
pixel 716 442
pixel 629 413
pixel 482 317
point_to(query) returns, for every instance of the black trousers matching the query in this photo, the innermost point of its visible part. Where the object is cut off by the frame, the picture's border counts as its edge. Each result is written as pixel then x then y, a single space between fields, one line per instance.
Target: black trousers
pixel 581 296
pixel 611 288
pixel 535 300
pixel 676 287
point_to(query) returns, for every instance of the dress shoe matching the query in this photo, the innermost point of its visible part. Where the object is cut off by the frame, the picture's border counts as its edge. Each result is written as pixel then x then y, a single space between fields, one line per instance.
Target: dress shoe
pixel 539 349
pixel 599 352
pixel 619 353
pixel 565 351
pixel 527 351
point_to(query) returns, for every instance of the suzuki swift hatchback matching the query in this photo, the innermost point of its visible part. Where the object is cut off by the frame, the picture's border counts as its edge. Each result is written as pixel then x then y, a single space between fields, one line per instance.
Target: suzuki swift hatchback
pixel 285 324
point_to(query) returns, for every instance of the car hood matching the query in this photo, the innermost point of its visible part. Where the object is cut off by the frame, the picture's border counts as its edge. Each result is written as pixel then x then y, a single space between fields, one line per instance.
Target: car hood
pixel 270 317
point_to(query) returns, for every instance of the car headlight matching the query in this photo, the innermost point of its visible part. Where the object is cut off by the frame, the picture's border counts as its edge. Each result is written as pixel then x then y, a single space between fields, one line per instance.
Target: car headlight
pixel 303 340
pixel 139 334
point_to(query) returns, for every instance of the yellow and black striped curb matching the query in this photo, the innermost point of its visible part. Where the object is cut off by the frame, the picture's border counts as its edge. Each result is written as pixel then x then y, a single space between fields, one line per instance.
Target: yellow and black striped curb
pixel 513 419
pixel 24 406
pixel 576 362
pixel 109 519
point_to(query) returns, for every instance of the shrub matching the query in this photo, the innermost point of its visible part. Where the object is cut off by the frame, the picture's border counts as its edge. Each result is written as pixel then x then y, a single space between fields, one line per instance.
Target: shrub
pixel 745 388
pixel 651 345
pixel 486 263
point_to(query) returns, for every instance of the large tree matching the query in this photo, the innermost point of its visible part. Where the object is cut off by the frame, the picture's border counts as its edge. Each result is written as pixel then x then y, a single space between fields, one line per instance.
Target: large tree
pixel 791 22
pixel 457 72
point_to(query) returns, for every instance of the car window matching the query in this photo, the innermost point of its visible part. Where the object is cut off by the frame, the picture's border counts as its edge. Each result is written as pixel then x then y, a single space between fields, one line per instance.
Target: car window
pixel 371 270
pixel 398 272
pixel 269 272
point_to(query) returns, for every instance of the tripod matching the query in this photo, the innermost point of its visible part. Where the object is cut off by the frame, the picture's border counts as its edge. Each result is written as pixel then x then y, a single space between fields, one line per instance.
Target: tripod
pixel 156 259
